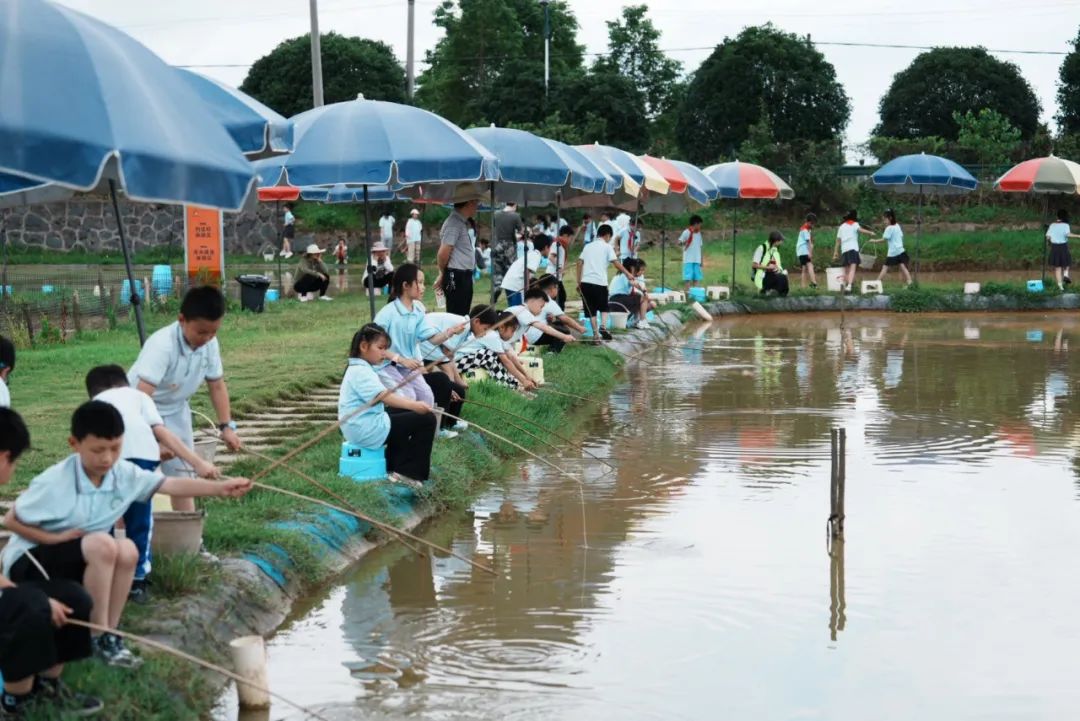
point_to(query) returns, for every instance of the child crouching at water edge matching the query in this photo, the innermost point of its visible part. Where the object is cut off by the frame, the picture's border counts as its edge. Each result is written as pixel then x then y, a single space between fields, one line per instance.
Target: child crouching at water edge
pixel 35 637
pixel 493 353
pixel 407 428
pixel 62 522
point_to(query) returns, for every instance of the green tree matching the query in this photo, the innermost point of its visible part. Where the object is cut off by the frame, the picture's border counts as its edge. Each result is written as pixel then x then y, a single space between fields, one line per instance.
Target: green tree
pixel 351 66
pixel 634 52
pixel 886 149
pixel 923 97
pixel 489 65
pixel 987 137
pixel 619 120
pixel 762 64
pixel 1068 94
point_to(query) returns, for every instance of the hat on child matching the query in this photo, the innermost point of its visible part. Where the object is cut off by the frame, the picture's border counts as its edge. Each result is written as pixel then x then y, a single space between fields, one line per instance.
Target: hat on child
pixel 379 247
pixel 414 211
pixel 314 249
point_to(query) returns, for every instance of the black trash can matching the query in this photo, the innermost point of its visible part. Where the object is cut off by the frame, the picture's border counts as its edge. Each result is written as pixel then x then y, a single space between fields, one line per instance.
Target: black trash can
pixel 253 291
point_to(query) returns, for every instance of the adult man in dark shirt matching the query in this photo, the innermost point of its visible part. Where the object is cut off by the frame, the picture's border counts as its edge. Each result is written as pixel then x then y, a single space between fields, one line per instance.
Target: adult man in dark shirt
pixel 508 224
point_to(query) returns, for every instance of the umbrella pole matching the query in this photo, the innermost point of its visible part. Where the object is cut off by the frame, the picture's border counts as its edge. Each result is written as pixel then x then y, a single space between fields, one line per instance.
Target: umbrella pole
pixel 558 224
pixel 918 235
pixel 1042 243
pixel 136 304
pixel 663 258
pixel 490 269
pixel 277 250
pixel 367 254
pixel 4 250
pixel 734 241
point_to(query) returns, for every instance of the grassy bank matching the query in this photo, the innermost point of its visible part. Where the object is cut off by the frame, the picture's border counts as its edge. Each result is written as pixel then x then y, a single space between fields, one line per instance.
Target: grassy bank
pixel 278 355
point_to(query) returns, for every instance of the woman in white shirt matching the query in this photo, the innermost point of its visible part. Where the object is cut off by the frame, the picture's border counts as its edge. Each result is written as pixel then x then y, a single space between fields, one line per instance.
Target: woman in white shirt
pixel 847 242
pixel 1057 234
pixel 896 255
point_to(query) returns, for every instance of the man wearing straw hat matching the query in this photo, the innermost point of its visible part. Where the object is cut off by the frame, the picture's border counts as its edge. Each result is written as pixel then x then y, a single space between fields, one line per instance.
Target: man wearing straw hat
pixel 383 268
pixel 456 259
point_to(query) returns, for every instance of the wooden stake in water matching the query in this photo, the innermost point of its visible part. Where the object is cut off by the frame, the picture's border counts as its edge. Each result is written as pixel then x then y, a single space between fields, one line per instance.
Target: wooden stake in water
pixel 836 483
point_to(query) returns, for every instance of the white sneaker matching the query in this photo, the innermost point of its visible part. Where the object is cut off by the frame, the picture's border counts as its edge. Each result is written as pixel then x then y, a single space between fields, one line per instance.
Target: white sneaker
pixel 461 426
pixel 446 434
pixel 325 297
pixel 405 481
pixel 644 324
pixel 302 297
pixel 289 254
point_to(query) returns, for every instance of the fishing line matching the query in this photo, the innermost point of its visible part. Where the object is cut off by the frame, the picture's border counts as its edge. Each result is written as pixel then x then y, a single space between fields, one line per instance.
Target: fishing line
pixel 564 439
pixel 563 471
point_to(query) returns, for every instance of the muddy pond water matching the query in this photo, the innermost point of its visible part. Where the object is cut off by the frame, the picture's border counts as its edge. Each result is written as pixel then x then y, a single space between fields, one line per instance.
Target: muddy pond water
pixel 694 581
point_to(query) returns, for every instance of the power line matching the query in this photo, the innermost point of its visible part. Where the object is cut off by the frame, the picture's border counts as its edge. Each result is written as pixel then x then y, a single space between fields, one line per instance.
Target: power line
pixel 876 46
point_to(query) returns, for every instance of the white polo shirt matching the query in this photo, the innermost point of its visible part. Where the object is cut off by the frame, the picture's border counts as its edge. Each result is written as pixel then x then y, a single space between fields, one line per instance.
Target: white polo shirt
pixel 386 228
pixel 525 321
pixel 169 363
pixel 514 278
pixel 5 395
pixel 848 233
pixel 597 257
pixel 491 341
pixel 413 229
pixel 62 497
pixel 140 418
pixel 551 308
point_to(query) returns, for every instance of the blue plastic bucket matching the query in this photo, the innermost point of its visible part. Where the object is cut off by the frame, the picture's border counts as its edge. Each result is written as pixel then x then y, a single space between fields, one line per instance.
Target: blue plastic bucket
pixel 125 292
pixel 161 280
pixel 272 295
pixel 46 289
pixel 698 294
pixel 1035 286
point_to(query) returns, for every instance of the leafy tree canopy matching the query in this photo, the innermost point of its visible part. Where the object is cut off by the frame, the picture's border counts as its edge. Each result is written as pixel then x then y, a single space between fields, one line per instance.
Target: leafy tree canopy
pixel 634 52
pixel 1068 94
pixel 923 97
pixel 762 65
pixel 351 66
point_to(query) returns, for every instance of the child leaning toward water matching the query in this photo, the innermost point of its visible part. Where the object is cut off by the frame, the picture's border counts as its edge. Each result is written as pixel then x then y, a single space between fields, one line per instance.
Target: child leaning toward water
pixel 1057 235
pixel 62 522
pixel 492 352
pixel 404 425
pixel 35 639
pixel 847 243
pixel 804 250
pixel 143 431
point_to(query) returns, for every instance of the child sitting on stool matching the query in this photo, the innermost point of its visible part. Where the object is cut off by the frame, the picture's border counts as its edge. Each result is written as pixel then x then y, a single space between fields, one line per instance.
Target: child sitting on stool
pixel 407 428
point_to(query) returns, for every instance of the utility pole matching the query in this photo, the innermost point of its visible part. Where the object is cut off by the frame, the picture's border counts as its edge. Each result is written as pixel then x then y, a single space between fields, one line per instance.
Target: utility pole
pixel 547 45
pixel 410 72
pixel 316 56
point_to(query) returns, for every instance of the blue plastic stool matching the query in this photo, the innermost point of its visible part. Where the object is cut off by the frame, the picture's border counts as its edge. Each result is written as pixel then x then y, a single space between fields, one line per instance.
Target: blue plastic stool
pixel 1035 286
pixel 362 464
pixel 698 294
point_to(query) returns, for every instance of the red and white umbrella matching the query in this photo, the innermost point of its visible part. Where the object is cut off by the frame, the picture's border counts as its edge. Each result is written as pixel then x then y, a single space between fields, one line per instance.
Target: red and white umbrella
pixel 1045 176
pixel 1042 175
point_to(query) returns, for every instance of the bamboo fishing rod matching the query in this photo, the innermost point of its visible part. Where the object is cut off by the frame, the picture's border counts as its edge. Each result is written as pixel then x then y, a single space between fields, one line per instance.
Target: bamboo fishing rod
pixel 564 439
pixel 142 640
pixel 563 471
pixel 378 524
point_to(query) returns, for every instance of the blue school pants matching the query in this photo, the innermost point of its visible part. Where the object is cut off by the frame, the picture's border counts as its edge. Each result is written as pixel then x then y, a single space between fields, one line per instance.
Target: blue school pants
pixel 139 524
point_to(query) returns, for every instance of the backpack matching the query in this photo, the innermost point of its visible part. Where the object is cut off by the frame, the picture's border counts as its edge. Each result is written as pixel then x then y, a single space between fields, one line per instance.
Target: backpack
pixel 764 254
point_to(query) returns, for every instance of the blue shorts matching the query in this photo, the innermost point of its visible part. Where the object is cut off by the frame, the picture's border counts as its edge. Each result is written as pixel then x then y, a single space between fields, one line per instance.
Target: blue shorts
pixel 691 271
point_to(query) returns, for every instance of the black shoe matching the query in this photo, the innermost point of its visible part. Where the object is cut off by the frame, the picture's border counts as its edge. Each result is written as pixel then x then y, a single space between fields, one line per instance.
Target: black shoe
pixel 140 592
pixel 1068 280
pixel 813 286
pixel 110 648
pixel 605 334
pixel 12 706
pixel 68 700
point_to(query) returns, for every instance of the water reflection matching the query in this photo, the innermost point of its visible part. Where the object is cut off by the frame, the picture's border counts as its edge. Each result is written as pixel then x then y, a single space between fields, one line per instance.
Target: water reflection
pixel 688 583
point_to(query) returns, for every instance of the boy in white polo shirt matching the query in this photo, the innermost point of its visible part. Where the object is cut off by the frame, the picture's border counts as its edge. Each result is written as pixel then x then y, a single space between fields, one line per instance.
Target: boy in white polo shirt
pixel 61 523
pixel 175 361
pixel 692 262
pixel 593 279
pixel 143 431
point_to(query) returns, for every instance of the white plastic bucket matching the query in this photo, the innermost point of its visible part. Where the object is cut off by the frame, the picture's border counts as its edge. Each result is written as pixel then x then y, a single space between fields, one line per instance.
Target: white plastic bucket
pixel 834 278
pixel 249 660
pixel 618 320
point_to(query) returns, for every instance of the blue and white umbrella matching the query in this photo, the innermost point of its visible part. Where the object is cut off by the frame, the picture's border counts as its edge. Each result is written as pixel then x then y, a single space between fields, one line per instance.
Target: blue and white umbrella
pixel 347 194
pixel 259 131
pixel 83 103
pixel 86 106
pixel 922 173
pixel 366 143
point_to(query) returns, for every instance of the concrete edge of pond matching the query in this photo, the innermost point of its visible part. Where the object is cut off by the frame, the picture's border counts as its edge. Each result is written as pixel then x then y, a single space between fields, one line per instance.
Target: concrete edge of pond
pixel 934 303
pixel 256 593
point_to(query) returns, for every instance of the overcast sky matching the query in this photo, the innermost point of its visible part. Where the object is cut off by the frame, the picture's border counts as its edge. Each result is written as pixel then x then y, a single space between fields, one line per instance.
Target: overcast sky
pixel 224 33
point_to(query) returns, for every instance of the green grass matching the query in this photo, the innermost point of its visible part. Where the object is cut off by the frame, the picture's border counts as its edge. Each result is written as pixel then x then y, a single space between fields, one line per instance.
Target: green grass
pixel 280 354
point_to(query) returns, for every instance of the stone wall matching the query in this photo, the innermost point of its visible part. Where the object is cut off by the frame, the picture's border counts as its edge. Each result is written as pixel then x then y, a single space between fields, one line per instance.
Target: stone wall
pixel 88 224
